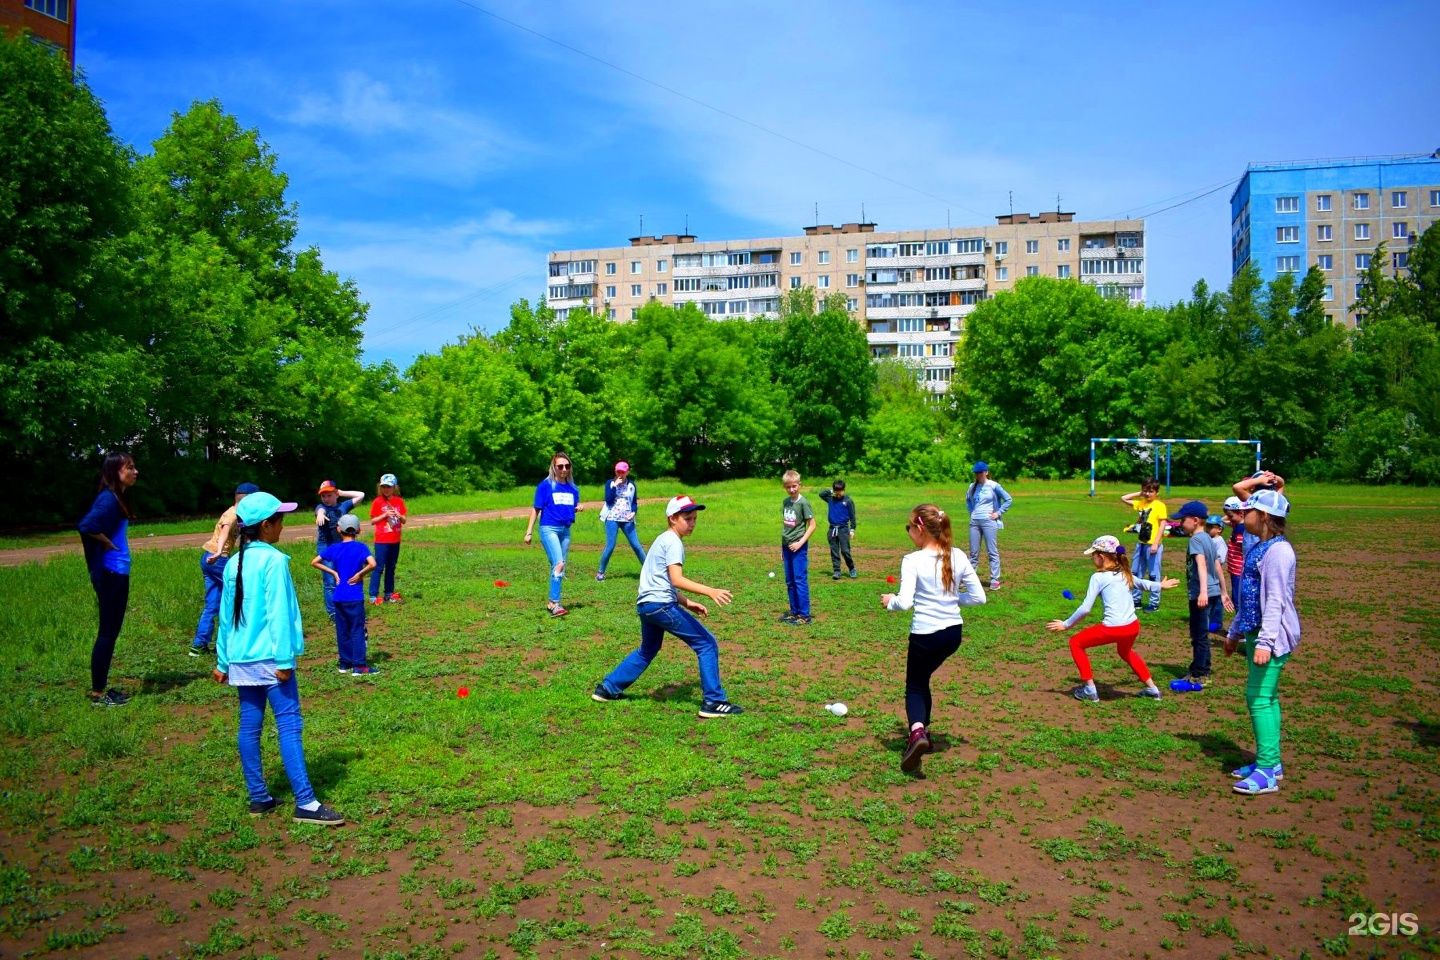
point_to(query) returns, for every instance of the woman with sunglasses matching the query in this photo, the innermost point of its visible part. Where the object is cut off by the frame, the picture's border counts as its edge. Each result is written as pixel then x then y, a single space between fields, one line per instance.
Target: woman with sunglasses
pixel 557 500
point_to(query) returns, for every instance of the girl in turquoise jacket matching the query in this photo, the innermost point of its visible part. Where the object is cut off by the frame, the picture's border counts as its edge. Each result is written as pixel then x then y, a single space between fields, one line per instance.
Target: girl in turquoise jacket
pixel 259 641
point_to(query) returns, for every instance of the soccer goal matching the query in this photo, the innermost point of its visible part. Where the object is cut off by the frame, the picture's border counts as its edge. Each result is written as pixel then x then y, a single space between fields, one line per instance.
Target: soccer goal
pixel 1167 441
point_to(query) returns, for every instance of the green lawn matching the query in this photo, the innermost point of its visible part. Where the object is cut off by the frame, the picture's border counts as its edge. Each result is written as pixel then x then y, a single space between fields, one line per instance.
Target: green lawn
pixel 527 820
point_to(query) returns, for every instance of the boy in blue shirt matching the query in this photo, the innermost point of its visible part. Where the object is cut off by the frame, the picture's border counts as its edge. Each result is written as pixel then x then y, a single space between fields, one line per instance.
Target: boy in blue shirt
pixel 842 528
pixel 348 562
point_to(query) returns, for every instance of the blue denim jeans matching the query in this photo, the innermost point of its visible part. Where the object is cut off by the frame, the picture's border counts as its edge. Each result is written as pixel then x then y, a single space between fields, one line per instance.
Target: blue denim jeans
pixel 656 620
pixel 284 701
pixel 613 527
pixel 989 531
pixel 386 556
pixel 214 576
pixel 797 578
pixel 327 585
pixel 350 636
pixel 556 541
pixel 1146 563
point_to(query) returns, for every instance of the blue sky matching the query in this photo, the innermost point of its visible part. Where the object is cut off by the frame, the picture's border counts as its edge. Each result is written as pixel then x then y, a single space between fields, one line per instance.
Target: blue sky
pixel 436 153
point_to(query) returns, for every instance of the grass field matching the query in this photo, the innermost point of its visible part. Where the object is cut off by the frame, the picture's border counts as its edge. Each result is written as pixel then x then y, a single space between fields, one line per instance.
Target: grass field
pixel 526 820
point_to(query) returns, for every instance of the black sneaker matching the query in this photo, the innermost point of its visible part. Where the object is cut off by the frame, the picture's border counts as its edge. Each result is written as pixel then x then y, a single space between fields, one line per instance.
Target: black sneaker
pixel 835 575
pixel 110 698
pixel 259 808
pixel 201 651
pixel 787 618
pixel 322 816
pixel 799 621
pixel 720 708
pixel 603 694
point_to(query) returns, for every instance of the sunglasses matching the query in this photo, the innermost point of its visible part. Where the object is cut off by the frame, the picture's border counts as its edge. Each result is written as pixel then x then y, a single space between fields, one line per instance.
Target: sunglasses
pixel 562 466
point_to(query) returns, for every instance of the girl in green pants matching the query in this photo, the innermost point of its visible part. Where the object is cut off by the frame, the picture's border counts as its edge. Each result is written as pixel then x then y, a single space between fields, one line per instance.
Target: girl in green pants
pixel 1267 620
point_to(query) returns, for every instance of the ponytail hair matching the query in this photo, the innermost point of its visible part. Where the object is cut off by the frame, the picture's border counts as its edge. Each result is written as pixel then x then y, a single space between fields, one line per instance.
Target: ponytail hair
pixel 110 478
pixel 247 535
pixel 1116 562
pixel 936 524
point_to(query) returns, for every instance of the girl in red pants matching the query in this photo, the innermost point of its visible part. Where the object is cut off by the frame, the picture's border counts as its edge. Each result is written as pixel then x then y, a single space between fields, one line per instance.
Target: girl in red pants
pixel 1112 582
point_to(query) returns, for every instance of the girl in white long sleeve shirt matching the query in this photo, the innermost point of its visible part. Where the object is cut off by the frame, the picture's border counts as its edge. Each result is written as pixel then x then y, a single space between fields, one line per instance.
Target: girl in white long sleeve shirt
pixel 935 581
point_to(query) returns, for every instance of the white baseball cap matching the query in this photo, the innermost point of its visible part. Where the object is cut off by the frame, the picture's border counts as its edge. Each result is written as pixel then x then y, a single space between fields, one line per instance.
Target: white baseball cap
pixel 1104 544
pixel 348 524
pixel 682 504
pixel 1234 503
pixel 1272 502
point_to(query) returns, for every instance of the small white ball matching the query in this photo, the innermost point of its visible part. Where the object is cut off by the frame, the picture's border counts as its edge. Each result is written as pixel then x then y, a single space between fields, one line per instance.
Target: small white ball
pixel 839 709
pixel 772 574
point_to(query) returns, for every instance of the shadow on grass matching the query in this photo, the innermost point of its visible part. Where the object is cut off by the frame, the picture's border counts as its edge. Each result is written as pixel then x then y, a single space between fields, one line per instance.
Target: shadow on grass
pixel 164 681
pixel 1224 751
pixel 676 691
pixel 1426 734
pixel 328 768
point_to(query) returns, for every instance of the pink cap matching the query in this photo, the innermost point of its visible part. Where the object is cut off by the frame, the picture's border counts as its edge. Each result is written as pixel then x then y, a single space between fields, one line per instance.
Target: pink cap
pixel 622 467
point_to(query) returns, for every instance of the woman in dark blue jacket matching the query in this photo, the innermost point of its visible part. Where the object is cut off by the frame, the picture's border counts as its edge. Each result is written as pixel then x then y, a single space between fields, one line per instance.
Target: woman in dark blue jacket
pixel 104 534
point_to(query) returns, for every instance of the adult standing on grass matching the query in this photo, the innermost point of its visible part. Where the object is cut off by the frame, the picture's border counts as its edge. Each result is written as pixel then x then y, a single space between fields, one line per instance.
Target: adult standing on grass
pixel 334 504
pixel 389 514
pixel 260 640
pixel 936 581
pixel 557 500
pixel 104 535
pixel 987 502
pixel 618 515
pixel 213 557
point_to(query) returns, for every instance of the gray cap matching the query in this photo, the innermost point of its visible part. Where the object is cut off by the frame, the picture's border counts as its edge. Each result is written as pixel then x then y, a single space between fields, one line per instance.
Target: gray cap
pixel 348 524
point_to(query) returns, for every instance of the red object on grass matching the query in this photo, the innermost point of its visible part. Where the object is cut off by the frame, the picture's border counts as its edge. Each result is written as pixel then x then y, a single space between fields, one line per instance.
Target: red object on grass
pixel 463 692
pixel 890 579
pixel 501 583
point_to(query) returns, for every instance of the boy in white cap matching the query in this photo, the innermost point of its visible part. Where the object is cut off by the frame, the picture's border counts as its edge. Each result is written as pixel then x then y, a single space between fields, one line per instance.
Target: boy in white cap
pixel 662 609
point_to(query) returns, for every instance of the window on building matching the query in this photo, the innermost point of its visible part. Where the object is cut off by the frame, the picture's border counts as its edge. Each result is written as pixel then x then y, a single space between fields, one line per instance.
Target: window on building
pixel 661 289
pixel 1063 244
pixel 1399 199
pixel 1362 231
pixel 1002 273
pixel 794 283
pixel 1063 271
pixel 912 249
pixel 1400 230
pixel 796 258
pixel 937 248
pixel 635 290
pixel 822 257
pixel 852 256
pixel 1359 292
pixel 609 269
pixel 882 251
pixel 852 304
pixel 941 349
pixel 1322 203
pixel 1323 233
pixel 1329 293
pixel 824 282
pixel 1362 261
pixel 1325 262
pixel 1032 246
pixel 635 266
pixel 1362 201
pixel 1287 264
pixel 609 293
pixel 911 350
pixel 1400 261
pixel 1287 204
pixel 662 265
pixel 634 313
pixel 1287 234
pixel 1002 247
pixel 852 279
pixel 1435 198
pixel 1032 271
pixel 58 9
pixel 909 324
pixel 611 313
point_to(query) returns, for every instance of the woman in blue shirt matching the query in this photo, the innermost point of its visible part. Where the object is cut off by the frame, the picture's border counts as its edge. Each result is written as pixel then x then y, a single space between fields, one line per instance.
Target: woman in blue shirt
pixel 987 502
pixel 557 500
pixel 104 534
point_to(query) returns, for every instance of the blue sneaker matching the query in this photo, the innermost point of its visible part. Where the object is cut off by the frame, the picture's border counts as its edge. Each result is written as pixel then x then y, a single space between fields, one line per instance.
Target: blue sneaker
pixel 1278 770
pixel 1083 693
pixel 1260 781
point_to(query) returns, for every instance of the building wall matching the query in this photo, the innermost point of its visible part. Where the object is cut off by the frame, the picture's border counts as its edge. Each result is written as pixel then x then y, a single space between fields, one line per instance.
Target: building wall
pixel 980 262
pixel 57 31
pixel 1278 201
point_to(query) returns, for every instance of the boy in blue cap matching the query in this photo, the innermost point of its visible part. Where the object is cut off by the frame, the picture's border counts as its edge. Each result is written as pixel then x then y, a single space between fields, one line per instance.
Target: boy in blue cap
pixel 1203 586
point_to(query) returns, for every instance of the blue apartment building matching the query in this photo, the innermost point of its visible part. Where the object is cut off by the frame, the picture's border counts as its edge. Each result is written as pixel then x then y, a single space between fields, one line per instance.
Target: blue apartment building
pixel 1288 217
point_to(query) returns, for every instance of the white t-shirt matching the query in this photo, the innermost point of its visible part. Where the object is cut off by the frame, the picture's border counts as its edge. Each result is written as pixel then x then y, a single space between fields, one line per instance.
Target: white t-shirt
pixel 1115 598
pixel 655 585
pixel 921 588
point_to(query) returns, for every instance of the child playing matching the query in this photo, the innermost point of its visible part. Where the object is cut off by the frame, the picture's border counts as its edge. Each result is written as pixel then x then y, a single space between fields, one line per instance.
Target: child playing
pixel 1114 584
pixel 663 610
pixel 842 528
pixel 1204 588
pixel 1270 626
pixel 389 515
pixel 334 504
pixel 1214 527
pixel 259 641
pixel 1237 545
pixel 1149 527
pixel 799 525
pixel 987 502
pixel 618 515
pixel 936 580
pixel 348 561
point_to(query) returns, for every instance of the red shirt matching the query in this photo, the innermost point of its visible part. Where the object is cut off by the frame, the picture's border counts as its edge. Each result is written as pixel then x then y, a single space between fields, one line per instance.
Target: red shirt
pixel 1235 556
pixel 385 531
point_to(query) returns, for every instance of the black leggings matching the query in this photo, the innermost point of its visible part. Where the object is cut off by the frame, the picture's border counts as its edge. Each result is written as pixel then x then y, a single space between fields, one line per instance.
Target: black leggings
pixel 112 590
pixel 927 652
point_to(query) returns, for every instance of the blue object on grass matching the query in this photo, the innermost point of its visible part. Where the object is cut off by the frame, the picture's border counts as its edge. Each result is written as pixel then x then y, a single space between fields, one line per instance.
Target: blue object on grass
pixel 1067 594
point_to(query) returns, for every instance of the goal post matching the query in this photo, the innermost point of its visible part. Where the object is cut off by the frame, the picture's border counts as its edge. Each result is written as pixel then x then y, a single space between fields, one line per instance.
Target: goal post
pixel 1168 442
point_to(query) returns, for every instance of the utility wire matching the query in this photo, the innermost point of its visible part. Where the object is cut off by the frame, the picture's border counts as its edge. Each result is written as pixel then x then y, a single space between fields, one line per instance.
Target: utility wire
pixel 1208 190
pixel 395 333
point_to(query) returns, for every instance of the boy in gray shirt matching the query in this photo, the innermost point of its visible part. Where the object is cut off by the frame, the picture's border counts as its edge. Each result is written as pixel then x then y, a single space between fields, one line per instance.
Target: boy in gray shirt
pixel 662 609
pixel 1201 563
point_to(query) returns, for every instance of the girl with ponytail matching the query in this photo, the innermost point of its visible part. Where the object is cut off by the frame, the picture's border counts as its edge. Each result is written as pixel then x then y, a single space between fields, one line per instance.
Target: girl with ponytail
pixel 1116 586
pixel 259 642
pixel 104 533
pixel 936 581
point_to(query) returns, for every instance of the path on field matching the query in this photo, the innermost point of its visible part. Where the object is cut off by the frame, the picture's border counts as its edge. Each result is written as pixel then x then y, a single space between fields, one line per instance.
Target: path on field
pixel 293 531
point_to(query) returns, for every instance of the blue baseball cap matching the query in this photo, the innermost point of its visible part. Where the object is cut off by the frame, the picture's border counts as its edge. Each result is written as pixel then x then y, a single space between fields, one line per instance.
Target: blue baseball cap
pixel 247 488
pixel 1194 508
pixel 259 507
pixel 1272 502
pixel 981 467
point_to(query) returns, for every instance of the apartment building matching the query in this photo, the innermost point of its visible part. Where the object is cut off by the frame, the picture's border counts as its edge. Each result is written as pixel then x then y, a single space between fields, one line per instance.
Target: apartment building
pixel 50 23
pixel 1288 217
pixel 911 290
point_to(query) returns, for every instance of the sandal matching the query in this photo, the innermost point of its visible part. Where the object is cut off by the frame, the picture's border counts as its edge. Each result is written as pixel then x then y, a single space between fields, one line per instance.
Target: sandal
pixel 1261 781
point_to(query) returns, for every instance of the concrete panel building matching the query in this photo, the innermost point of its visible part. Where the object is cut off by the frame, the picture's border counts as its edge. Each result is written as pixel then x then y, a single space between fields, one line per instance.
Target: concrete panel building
pixel 911 290
pixel 1288 217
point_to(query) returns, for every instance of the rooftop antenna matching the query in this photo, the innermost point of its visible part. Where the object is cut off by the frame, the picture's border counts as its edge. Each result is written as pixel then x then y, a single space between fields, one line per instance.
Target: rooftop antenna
pixel 642 224
pixel 947 218
pixel 1012 202
pixel 817 214
pixel 1057 203
pixel 862 206
pixel 687 224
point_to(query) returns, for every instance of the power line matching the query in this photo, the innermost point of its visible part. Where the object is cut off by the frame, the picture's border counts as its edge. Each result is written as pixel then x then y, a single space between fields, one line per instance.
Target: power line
pixel 389 334
pixel 1208 190
pixel 709 106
